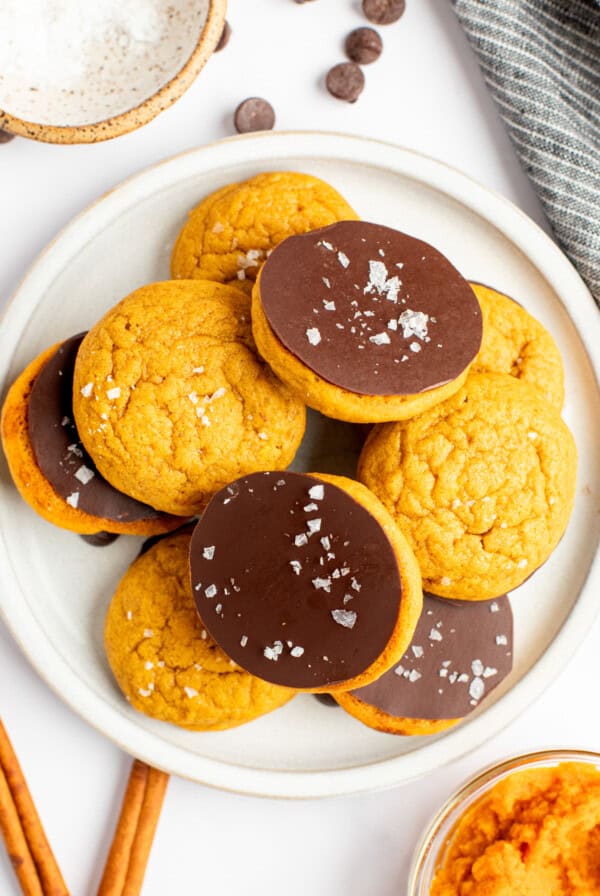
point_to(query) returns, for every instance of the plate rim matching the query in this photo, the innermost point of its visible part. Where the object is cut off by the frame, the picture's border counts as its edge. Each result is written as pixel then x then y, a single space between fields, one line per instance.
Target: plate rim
pixel 552 265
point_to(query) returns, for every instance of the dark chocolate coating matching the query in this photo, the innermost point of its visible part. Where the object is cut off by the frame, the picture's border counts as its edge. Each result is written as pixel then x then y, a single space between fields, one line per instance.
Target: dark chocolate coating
pixel 454 661
pixel 271 601
pixel 58 450
pixel 370 309
pixel 99 539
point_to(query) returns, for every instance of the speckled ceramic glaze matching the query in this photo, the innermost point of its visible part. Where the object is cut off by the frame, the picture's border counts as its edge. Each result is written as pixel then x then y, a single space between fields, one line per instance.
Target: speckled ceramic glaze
pixel 80 73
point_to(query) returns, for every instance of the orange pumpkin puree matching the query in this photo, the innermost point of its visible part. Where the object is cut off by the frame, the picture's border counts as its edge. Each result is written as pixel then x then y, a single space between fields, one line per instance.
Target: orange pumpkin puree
pixel 536 833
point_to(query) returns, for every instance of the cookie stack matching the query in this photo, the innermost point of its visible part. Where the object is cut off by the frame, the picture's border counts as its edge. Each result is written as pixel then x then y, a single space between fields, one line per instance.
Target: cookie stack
pixel 188 399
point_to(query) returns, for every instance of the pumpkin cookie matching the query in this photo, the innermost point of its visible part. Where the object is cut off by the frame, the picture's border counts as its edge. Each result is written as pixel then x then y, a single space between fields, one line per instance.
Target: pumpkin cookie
pixel 304 580
pixel 516 343
pixel 364 323
pixel 482 485
pixel 231 232
pixel 459 653
pixel 48 463
pixel 172 401
pixel 162 657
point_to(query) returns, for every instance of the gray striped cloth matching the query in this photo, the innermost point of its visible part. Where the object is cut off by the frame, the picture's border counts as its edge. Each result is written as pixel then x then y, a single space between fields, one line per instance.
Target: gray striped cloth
pixel 541 61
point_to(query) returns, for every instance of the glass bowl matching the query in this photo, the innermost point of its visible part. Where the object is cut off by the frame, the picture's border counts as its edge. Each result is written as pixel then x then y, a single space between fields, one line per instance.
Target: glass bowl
pixel 438 835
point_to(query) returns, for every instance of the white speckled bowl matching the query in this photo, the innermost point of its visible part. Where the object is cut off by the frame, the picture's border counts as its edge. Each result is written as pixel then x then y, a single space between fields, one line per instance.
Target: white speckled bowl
pixel 73 72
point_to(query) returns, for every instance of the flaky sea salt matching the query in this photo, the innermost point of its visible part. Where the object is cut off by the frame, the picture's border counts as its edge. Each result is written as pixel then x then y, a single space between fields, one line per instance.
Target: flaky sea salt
pixel 273 652
pixel 87 390
pixel 208 552
pixel 73 499
pixel 296 566
pixel 477 689
pixel 297 652
pixel 84 474
pixel 413 323
pixel 210 591
pixel 434 635
pixel 322 583
pixel 313 335
pixel 345 618
pixel 300 540
pixel 190 692
pixel 379 283
pixel 380 339
pixel 113 394
pixel 317 492
pixel 313 526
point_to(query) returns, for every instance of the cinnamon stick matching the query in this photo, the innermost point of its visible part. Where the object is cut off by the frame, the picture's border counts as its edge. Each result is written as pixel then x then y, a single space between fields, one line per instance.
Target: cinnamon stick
pixel 16 843
pixel 27 845
pixel 128 856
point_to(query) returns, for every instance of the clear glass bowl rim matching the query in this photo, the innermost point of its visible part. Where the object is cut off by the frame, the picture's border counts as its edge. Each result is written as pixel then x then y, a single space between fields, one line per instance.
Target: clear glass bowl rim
pixel 424 858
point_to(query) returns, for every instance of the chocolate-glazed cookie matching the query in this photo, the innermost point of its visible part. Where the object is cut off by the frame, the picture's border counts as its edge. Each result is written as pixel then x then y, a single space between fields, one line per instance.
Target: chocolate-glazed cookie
pixel 368 323
pixel 58 450
pixel 460 652
pixel 303 581
pixel 48 464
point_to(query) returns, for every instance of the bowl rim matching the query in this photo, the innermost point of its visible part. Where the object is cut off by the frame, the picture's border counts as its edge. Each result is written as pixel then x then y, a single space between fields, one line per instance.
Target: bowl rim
pixel 139 115
pixel 468 792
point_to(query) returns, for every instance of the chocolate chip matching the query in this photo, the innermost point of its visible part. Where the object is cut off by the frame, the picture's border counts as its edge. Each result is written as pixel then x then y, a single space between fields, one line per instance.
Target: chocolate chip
pixel 5 137
pixel 254 114
pixel 224 39
pixel 364 45
pixel 346 81
pixel 383 12
pixel 100 539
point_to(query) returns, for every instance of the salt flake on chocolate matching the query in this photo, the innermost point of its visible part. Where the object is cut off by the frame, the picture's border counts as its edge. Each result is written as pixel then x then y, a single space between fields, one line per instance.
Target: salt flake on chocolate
pixel 324 583
pixel 380 339
pixel 413 323
pixel 313 526
pixel 343 259
pixel 379 283
pixel 84 474
pixel 297 652
pixel 208 552
pixel 317 492
pixel 296 566
pixel 211 591
pixel 345 618
pixel 313 335
pixel 73 499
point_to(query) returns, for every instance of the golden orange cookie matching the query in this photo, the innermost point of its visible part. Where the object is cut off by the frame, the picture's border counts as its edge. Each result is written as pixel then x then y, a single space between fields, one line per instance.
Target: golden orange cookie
pixel 304 580
pixel 230 233
pixel 460 652
pixel 364 323
pixel 517 344
pixel 48 464
pixel 164 661
pixel 172 401
pixel 482 485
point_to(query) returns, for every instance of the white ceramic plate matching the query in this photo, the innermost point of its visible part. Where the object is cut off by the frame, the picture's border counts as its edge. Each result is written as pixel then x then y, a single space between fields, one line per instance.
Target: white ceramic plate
pixel 55 588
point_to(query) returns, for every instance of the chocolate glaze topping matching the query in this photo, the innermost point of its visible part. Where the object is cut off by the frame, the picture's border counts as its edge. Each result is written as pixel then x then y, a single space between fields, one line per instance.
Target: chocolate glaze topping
pixel 371 309
pixel 295 580
pixel 460 652
pixel 58 450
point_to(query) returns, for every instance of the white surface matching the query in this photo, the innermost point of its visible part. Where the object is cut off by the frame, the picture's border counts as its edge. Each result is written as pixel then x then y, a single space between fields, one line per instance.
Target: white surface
pixel 67 63
pixel 59 587
pixel 345 846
